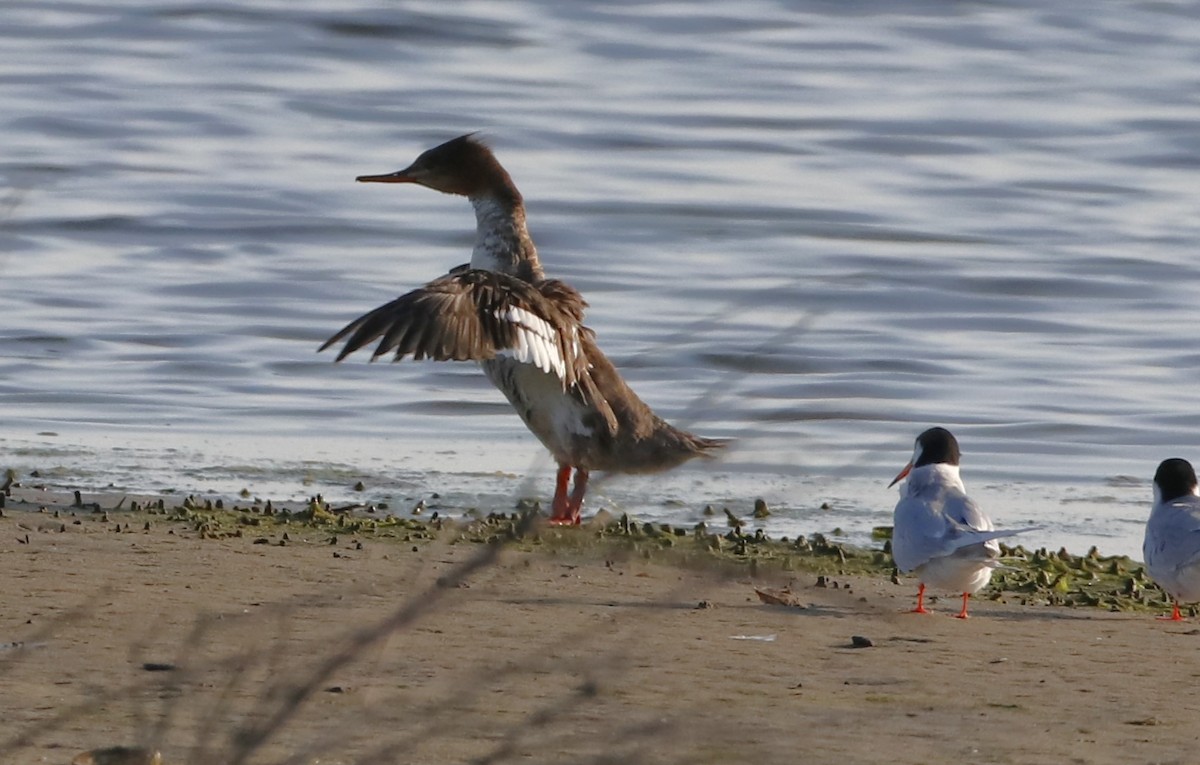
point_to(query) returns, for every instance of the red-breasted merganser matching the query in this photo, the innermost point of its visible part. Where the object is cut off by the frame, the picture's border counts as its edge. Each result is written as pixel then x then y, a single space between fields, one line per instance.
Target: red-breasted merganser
pixel 527 333
pixel 938 531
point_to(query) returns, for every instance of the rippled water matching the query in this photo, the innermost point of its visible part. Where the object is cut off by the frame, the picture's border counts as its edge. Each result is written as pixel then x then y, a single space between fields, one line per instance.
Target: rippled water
pixel 816 227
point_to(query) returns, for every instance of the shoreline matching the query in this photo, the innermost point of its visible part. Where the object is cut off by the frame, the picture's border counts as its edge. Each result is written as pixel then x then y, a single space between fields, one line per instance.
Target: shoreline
pixel 1098 510
pixel 1030 576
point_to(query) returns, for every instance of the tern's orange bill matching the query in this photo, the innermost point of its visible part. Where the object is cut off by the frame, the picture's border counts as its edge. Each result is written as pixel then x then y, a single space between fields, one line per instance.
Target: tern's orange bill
pixel 900 475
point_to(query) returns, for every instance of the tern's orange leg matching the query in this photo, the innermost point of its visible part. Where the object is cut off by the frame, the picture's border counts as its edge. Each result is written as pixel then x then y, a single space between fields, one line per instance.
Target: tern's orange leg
pixel 920 609
pixel 1175 616
pixel 560 510
pixel 963 613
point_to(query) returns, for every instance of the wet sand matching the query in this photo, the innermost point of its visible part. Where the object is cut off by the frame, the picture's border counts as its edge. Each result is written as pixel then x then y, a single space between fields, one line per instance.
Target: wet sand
pixel 161 635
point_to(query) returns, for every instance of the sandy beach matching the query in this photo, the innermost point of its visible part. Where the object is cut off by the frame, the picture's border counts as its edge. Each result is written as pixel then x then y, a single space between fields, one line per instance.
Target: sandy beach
pixel 121 627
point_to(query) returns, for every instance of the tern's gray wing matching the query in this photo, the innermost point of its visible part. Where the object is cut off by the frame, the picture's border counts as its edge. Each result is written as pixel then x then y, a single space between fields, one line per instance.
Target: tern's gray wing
pixel 1173 535
pixel 963 511
pixel 939 524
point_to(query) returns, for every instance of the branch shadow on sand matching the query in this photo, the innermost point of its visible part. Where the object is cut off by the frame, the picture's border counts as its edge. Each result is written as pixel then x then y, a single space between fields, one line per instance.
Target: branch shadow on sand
pixel 278 685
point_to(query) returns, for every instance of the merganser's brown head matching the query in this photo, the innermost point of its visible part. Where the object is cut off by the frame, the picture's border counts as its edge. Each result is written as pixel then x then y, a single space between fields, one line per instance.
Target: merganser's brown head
pixel 464 166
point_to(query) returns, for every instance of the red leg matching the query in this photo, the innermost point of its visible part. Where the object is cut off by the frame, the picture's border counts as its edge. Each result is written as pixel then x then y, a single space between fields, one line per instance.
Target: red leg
pixel 920 609
pixel 963 613
pixel 560 510
pixel 1175 616
pixel 575 505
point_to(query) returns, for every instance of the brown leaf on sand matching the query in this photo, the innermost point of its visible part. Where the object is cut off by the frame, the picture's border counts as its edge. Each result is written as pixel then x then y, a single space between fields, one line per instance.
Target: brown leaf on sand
pixel 784 597
pixel 118 755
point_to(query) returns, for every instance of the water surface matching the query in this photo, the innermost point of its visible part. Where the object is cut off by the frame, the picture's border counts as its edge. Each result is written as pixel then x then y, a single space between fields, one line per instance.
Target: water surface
pixel 818 228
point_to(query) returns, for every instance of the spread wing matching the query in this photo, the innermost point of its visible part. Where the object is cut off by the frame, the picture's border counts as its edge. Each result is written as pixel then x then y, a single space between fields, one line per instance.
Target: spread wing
pixel 475 315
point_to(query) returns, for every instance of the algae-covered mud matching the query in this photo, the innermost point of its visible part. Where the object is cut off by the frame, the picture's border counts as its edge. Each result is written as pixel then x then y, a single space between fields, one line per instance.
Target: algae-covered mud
pixel 1038 577
pixel 801 499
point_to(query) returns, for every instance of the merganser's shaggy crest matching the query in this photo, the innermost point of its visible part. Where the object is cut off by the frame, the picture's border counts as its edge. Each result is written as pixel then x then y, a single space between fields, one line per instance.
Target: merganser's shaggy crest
pixel 938 531
pixel 1172 546
pixel 525 330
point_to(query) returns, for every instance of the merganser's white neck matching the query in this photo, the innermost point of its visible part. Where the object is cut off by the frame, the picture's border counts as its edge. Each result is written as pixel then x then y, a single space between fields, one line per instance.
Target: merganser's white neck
pixel 502 242
pixel 940 474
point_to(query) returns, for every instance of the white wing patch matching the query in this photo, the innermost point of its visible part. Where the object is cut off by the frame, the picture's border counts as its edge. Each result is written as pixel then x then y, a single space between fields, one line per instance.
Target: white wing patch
pixel 537 342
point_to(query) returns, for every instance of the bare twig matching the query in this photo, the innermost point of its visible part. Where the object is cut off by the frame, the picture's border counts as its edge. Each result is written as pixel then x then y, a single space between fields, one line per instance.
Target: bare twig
pixel 252 737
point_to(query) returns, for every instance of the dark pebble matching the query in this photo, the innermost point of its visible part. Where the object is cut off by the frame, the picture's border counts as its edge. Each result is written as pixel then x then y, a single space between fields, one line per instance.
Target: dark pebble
pixel 858 641
pixel 760 509
pixel 158 666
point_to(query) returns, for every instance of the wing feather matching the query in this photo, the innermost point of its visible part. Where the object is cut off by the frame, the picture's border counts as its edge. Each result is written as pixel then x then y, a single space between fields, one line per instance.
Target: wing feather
pixel 472 314
pixel 1173 535
pixel 938 521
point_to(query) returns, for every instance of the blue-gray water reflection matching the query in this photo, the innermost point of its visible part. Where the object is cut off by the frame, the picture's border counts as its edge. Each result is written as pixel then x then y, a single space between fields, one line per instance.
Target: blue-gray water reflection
pixel 816 229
